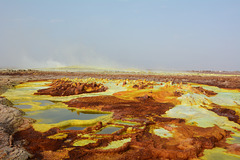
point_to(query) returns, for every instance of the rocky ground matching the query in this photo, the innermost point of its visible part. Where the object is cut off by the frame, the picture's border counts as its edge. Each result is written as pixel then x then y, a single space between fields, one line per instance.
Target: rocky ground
pixel 11 119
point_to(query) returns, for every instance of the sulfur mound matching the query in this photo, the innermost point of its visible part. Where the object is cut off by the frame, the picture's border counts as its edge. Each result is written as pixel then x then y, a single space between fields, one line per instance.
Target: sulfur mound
pixel 66 87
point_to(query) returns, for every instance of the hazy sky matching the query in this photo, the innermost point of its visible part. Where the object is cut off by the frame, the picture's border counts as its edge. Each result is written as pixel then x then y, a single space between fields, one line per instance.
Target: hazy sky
pixel 145 34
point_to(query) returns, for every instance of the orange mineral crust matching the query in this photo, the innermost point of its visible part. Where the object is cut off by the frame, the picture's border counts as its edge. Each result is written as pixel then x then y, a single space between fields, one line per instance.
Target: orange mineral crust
pixel 66 87
pixel 143 142
pixel 142 120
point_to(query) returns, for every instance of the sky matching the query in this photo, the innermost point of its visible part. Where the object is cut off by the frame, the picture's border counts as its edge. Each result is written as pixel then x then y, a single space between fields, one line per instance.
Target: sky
pixel 143 34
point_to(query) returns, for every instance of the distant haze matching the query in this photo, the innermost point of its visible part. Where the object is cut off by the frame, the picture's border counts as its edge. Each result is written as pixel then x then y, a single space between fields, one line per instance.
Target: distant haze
pixel 144 34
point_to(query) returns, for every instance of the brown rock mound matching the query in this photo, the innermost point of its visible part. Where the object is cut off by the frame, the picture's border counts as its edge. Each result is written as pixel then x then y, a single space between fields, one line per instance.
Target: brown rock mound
pixel 64 87
pixel 11 120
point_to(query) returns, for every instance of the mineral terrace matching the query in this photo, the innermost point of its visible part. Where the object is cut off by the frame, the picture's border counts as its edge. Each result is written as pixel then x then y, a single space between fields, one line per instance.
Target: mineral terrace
pixel 63 115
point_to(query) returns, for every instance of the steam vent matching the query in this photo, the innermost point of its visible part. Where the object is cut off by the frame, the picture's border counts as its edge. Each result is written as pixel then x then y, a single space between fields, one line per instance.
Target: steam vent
pixel 110 119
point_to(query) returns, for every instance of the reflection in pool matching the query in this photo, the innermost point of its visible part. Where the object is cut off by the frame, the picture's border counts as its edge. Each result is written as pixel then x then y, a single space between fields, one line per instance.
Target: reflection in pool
pixel 23 106
pixel 55 115
pixel 234 139
pixel 74 128
pixel 44 102
pixel 109 130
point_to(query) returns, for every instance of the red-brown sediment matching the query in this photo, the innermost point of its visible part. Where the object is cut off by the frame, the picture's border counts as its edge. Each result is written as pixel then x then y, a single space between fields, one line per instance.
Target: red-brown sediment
pixel 205 92
pixel 230 114
pixel 121 108
pixel 187 141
